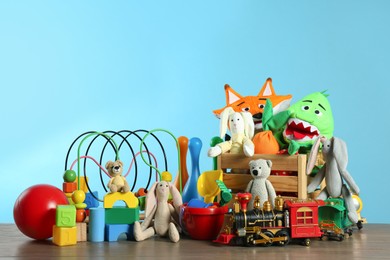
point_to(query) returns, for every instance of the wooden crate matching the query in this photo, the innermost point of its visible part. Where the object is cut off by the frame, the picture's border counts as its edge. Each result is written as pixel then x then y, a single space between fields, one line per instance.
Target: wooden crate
pixel 292 184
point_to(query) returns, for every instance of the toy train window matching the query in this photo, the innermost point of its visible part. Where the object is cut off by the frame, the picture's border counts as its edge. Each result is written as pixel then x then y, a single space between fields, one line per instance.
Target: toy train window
pixel 304 215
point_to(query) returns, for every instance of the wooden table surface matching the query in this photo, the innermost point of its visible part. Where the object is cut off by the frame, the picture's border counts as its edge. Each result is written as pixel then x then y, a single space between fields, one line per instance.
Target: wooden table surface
pixel 372 242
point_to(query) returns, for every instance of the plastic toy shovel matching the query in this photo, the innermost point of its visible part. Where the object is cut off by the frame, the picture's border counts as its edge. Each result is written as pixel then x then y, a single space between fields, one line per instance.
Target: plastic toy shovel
pixel 207 185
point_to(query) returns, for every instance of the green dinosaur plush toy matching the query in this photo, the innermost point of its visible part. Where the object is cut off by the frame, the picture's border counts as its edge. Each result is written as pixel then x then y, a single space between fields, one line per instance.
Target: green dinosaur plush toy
pixel 297 128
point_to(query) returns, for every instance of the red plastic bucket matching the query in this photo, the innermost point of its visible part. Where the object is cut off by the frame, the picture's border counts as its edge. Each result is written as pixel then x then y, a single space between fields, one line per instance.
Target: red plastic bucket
pixel 203 223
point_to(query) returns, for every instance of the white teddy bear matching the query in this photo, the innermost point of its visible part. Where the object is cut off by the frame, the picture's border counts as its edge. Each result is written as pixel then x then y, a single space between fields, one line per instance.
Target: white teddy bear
pixel 260 170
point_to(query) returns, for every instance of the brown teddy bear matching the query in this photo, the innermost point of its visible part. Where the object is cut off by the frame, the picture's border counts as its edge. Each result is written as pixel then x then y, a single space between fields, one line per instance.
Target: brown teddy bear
pixel 117 182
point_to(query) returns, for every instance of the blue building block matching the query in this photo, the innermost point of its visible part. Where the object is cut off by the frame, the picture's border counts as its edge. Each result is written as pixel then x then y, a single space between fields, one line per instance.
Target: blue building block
pixel 113 231
pixel 96 224
pixel 91 201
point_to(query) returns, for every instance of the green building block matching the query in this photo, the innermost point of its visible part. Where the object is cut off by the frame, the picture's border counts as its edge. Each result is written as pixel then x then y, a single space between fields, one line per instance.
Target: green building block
pixel 66 216
pixel 121 215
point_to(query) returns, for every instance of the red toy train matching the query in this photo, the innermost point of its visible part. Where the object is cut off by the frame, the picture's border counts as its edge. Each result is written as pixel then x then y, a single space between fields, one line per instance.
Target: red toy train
pixel 290 219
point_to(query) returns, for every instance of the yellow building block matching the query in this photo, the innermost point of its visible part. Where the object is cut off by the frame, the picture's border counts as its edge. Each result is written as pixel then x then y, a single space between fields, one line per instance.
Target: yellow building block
pixel 64 236
pixel 129 198
pixel 81 231
pixel 83 185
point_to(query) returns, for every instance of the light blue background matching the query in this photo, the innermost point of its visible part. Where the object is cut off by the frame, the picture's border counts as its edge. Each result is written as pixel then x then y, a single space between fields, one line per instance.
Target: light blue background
pixel 67 67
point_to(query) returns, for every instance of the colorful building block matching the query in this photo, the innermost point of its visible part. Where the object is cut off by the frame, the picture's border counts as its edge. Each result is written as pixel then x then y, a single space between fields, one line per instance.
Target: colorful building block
pixel 69 187
pixel 121 215
pixel 81 232
pixel 96 225
pixel 64 236
pixel 113 231
pixel 66 216
pixel 90 200
pixel 129 198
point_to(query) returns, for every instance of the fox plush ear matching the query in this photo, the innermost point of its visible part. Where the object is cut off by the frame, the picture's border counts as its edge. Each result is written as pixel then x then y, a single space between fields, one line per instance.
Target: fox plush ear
pixel 231 95
pixel 267 89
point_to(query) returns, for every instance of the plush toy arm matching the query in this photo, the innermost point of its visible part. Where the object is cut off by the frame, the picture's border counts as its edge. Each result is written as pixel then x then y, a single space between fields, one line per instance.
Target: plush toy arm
pixel 349 180
pixel 248 147
pixel 220 148
pixel 148 220
pixel 110 182
pixel 316 180
pixel 214 151
pixel 248 187
pixel 271 192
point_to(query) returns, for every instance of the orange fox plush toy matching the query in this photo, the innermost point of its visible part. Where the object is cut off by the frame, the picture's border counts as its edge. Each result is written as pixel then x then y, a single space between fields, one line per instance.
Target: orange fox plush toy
pixel 255 104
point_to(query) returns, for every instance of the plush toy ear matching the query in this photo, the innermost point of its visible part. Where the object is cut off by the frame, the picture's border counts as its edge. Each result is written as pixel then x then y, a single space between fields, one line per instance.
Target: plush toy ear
pixel 231 95
pixel 109 164
pixel 249 125
pixel 267 89
pixel 224 120
pixel 176 197
pixel 340 153
pixel 269 163
pixel 311 160
pixel 150 200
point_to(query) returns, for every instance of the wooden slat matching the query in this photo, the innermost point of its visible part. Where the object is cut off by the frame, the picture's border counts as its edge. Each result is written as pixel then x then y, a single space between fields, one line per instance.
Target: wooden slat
pixel 302 178
pixel 239 182
pixel 238 161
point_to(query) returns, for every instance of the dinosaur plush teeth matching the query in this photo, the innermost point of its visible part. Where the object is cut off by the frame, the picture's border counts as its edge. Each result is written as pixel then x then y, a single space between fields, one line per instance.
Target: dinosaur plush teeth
pixel 298 130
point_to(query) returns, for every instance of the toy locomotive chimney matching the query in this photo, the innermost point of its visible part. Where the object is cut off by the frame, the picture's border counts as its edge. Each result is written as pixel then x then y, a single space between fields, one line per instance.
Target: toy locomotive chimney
pixel 243 199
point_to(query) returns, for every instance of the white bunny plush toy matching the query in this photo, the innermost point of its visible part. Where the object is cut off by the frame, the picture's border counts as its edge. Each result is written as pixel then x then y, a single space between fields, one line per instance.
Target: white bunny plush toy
pixel 242 129
pixel 161 217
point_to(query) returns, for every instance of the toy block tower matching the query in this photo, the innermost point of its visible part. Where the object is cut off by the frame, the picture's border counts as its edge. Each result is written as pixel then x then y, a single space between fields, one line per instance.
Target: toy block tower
pixel 120 219
pixel 65 231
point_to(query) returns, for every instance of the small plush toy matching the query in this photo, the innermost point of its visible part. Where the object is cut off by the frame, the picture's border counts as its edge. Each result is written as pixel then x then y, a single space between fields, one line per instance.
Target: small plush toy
pixel 117 182
pixel 161 217
pixel 260 170
pixel 335 172
pixel 242 130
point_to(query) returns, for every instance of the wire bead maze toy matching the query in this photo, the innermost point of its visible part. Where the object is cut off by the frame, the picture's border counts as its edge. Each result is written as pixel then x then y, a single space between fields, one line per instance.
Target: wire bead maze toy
pixel 117 141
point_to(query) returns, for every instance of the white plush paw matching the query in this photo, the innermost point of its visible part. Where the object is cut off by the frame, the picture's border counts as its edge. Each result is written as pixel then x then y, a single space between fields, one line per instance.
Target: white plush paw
pixel 214 151
pixel 249 149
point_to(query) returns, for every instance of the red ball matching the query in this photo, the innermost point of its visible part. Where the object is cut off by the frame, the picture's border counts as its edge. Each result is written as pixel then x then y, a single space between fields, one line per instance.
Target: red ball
pixel 35 210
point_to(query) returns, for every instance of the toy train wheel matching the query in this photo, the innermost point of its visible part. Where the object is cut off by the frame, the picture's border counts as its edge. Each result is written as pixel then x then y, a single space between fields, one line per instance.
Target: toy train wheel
pixel 250 240
pixel 283 233
pixel 270 235
pixel 306 242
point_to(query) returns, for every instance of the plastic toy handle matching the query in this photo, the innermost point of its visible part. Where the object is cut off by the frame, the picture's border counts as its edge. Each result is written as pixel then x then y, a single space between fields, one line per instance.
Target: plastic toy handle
pixel 214 141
